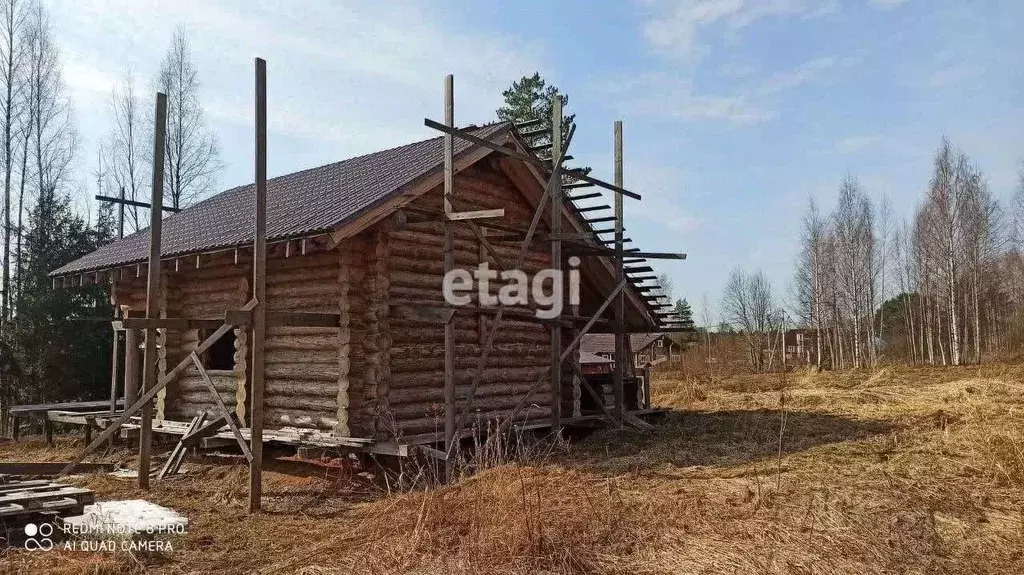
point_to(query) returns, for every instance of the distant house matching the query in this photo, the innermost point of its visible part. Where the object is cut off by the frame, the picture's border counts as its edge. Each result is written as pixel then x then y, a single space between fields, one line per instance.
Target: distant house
pixel 593 364
pixel 647 348
pixel 801 346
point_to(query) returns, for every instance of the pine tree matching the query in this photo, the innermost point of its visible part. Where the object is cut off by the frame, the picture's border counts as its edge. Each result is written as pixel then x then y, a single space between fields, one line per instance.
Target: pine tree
pixel 60 358
pixel 684 312
pixel 530 98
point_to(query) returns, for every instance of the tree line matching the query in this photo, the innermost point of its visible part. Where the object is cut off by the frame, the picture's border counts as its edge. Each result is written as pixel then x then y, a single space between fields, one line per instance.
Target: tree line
pixel 45 353
pixel 942 287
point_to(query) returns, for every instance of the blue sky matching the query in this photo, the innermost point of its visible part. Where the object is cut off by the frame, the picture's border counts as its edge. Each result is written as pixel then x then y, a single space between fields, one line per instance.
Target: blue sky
pixel 735 111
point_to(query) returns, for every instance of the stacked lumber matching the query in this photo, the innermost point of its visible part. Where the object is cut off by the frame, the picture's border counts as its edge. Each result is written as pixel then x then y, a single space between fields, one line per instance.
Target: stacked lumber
pixel 38 501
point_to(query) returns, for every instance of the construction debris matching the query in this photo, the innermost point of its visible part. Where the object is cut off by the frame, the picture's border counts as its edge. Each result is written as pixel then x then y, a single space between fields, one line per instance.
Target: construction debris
pixel 38 501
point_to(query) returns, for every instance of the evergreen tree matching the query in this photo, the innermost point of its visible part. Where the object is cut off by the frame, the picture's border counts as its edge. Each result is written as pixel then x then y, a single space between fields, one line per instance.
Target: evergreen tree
pixel 530 98
pixel 684 312
pixel 60 358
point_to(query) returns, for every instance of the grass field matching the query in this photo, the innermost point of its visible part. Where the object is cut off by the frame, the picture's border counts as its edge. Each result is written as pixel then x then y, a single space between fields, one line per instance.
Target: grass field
pixel 895 470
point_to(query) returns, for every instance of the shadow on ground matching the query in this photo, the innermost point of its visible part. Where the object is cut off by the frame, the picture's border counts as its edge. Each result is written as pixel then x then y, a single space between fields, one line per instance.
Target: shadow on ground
pixel 719 438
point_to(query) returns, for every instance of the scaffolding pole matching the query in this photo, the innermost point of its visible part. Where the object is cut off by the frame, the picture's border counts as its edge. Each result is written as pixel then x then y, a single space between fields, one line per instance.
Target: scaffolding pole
pixel 449 264
pixel 620 276
pixel 556 264
pixel 259 292
pixel 152 287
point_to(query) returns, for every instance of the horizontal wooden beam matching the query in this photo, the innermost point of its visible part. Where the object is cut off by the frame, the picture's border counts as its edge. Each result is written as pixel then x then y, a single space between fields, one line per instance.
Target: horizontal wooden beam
pixel 134 203
pixel 598 220
pixel 530 123
pixel 175 323
pixel 287 318
pixel 534 133
pixel 585 196
pixel 477 214
pixel 593 208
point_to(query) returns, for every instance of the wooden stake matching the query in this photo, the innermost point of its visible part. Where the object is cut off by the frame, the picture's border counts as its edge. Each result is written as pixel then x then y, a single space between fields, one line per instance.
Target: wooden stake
pixel 114 371
pixel 556 264
pixel 259 287
pixel 620 275
pixel 152 287
pixel 449 263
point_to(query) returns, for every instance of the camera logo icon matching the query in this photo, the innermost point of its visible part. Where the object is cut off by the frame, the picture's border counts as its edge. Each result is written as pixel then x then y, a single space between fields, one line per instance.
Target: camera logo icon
pixel 37 537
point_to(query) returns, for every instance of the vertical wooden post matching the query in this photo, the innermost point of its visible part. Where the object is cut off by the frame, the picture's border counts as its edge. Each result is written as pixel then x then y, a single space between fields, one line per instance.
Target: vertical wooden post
pixel 450 433
pixel 131 366
pixel 120 214
pixel 556 263
pixel 149 357
pixel 259 291
pixel 620 274
pixel 114 371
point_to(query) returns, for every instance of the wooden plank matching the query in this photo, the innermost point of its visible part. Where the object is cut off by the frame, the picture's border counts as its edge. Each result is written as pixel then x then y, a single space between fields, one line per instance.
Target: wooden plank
pixel 287 318
pixel 115 356
pixel 173 323
pixel 14 509
pixel 124 202
pixel 259 286
pixel 58 491
pixel 477 214
pixel 209 428
pixel 449 264
pixel 41 409
pixel 223 408
pixel 149 374
pixel 170 466
pixel 47 468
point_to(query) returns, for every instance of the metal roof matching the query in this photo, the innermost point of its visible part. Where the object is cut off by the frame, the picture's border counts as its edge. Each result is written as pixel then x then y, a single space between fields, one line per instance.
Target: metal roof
pixel 298 204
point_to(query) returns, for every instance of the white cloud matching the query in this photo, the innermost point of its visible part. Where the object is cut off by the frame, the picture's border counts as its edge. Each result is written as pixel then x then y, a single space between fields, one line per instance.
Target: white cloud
pixel 675 96
pixel 677 27
pixel 343 78
pixel 886 4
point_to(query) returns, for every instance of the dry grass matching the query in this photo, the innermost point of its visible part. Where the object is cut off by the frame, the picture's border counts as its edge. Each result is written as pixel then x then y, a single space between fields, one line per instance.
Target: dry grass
pixel 899 470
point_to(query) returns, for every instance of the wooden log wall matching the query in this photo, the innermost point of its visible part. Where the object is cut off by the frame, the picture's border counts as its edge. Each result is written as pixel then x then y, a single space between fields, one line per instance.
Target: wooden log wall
pixel 310 371
pixel 415 402
pixel 206 292
pixel 302 363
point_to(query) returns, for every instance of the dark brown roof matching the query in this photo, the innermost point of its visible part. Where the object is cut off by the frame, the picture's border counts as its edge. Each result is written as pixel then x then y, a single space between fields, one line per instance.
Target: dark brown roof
pixel 298 204
pixel 587 358
pixel 605 342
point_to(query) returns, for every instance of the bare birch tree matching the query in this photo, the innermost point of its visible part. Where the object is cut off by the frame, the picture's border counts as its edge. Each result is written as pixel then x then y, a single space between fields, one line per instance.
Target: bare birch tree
pixel 125 159
pixel 12 61
pixel 54 139
pixel 192 153
pixel 747 303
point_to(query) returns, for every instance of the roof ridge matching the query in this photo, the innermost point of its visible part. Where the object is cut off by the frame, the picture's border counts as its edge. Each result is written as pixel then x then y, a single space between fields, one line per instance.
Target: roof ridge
pixel 353 158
